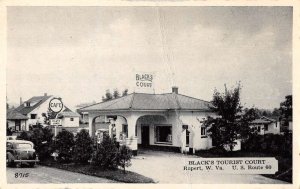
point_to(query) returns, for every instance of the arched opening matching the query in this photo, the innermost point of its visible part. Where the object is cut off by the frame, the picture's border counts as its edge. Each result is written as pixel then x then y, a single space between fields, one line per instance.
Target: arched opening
pixel 153 130
pixel 115 125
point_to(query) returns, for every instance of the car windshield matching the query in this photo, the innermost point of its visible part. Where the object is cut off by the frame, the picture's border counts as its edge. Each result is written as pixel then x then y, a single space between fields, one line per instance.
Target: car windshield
pixel 23 146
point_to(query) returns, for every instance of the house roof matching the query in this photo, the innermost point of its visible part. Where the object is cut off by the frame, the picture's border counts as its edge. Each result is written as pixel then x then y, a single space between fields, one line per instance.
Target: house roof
pixel 142 101
pixel 14 115
pixel 263 120
pixel 68 113
pixel 38 99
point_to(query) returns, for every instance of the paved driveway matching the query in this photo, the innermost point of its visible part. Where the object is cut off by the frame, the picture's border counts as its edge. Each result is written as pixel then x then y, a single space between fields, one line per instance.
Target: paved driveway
pixel 167 167
pixel 41 174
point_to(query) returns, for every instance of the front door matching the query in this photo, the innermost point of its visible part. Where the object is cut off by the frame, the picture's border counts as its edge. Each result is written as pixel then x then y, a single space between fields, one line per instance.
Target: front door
pixel 17 125
pixel 145 135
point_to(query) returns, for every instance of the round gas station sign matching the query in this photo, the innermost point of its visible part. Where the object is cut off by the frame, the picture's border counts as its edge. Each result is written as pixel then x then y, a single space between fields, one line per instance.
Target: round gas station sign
pixel 56 105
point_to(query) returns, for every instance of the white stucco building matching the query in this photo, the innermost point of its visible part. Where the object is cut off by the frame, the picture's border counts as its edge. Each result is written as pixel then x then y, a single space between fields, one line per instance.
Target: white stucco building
pixel 171 121
pixel 31 112
pixel 265 125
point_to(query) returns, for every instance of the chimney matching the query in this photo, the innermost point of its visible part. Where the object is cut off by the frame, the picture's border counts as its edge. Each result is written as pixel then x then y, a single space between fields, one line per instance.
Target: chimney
pixel 175 90
pixel 21 101
pixel 45 94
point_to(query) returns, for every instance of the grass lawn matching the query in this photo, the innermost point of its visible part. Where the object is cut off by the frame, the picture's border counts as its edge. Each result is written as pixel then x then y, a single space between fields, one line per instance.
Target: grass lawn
pixel 116 175
pixel 285 168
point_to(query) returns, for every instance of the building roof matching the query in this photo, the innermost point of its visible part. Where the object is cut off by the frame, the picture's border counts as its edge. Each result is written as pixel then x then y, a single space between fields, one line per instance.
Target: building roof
pixel 37 99
pixel 68 113
pixel 14 115
pixel 142 101
pixel 263 120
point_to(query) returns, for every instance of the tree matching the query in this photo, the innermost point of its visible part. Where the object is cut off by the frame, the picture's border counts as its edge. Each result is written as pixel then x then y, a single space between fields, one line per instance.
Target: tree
pixel 63 145
pixel 124 157
pixel 116 93
pixel 125 92
pixel 276 112
pixel 49 115
pixel 42 140
pixel 108 96
pixel 286 107
pixel 231 124
pixel 106 155
pixel 83 147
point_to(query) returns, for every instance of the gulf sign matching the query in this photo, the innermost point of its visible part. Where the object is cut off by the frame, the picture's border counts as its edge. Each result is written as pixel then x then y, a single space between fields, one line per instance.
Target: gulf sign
pixel 56 105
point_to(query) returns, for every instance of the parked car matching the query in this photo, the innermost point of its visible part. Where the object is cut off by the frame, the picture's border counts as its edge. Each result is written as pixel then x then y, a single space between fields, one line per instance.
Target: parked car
pixel 11 137
pixel 20 152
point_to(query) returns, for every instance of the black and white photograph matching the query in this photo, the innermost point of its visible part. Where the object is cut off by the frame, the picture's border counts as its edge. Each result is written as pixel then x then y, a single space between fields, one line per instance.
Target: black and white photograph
pixel 149 95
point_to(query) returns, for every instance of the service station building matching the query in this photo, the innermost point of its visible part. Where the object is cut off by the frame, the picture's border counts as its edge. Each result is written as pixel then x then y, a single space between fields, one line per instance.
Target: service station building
pixel 170 121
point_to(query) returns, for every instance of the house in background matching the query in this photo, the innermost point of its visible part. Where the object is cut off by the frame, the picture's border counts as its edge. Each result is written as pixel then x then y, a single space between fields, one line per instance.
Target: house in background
pixel 16 121
pixel 84 116
pixel 69 118
pixel 265 125
pixel 30 113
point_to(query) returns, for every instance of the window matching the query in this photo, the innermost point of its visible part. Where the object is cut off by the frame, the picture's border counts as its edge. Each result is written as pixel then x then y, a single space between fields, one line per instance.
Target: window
pixel 71 119
pixel 266 127
pixel 32 116
pixel 185 126
pixel 163 134
pixel 203 131
pixel 258 128
pixel 23 146
pixel 27 104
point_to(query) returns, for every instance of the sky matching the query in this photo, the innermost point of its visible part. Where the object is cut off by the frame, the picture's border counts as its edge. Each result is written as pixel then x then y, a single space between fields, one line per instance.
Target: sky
pixel 79 52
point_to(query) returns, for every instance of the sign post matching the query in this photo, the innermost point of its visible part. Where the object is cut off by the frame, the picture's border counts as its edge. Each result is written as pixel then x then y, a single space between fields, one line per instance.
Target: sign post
pixel 56 105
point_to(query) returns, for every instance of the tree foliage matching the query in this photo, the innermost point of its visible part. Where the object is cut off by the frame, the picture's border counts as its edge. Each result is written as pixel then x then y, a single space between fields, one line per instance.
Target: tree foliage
pixel 114 95
pixel 63 144
pixel 231 122
pixel 49 115
pixel 83 147
pixel 286 107
pixel 125 92
pixel 42 140
pixel 124 157
pixel 106 155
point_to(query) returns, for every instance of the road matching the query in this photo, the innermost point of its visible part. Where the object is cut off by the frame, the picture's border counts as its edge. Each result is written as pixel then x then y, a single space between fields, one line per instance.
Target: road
pixel 42 174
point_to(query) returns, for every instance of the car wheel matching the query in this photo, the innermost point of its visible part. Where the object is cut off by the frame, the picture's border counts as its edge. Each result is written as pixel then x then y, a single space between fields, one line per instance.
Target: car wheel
pixel 31 165
pixel 9 162
pixel 18 165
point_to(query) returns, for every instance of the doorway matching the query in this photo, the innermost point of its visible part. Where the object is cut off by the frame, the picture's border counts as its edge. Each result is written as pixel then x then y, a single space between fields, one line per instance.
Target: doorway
pixel 145 135
pixel 17 125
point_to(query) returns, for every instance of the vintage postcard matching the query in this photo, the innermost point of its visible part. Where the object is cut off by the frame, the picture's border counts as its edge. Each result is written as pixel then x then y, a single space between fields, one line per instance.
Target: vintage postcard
pixel 175 92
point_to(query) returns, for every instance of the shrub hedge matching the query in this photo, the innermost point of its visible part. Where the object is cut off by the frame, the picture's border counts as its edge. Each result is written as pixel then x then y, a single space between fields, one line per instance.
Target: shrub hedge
pixel 270 143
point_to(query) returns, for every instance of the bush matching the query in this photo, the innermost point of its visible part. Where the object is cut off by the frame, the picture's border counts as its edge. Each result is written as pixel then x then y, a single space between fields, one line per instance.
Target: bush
pixel 83 148
pixel 124 157
pixel 106 155
pixel 63 144
pixel 270 143
pixel 42 140
pixel 24 135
